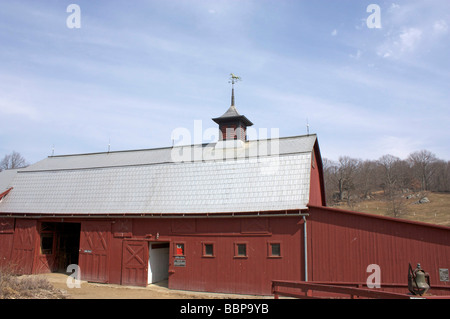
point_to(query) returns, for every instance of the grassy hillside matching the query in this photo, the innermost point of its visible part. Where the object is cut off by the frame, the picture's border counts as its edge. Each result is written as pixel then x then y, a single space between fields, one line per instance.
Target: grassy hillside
pixel 437 211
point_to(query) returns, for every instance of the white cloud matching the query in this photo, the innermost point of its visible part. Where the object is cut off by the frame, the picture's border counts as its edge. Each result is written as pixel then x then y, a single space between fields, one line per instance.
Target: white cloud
pixel 412 30
pixel 334 32
pixel 405 42
pixel 440 27
pixel 410 38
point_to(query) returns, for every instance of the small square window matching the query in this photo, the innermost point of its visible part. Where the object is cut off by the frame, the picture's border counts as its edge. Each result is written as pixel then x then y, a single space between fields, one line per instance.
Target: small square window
pixel 274 250
pixel 208 250
pixel 241 250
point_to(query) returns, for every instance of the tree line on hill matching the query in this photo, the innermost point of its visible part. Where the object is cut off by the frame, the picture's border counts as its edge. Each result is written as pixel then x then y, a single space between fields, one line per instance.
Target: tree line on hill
pixel 351 180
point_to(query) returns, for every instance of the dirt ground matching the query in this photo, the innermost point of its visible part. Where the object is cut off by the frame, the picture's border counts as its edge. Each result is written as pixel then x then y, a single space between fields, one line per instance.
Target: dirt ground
pixel 153 291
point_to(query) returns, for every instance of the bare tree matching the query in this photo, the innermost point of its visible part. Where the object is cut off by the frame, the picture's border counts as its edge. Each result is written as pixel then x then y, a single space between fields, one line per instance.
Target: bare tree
pixel 340 178
pixel 366 179
pixel 13 160
pixel 421 163
pixel 348 168
pixel 387 164
pixel 330 179
pixel 350 179
pixel 440 181
pixel 392 183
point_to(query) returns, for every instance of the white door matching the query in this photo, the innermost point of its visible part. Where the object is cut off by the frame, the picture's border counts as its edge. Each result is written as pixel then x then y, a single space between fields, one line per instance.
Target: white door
pixel 158 261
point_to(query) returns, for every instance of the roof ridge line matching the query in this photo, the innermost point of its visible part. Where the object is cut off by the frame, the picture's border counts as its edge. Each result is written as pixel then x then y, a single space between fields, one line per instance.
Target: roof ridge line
pixel 170 147
pixel 161 163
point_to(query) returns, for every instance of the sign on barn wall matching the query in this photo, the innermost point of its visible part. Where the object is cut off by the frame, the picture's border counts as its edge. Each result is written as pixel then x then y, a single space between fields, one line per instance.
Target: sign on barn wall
pixel 179 261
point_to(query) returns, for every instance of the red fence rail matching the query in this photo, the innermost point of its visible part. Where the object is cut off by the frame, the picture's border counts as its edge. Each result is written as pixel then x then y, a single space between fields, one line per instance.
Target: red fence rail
pixel 316 290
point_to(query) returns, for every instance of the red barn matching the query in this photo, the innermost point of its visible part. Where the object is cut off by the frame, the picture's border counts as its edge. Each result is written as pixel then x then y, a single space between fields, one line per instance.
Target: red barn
pixel 224 217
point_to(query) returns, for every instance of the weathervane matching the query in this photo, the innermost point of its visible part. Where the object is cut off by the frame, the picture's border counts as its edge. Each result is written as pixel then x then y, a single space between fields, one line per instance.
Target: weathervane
pixel 233 79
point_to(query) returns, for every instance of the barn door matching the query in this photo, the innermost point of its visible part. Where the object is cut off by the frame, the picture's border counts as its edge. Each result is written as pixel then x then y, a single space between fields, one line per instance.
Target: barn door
pixel 24 246
pixel 135 263
pixel 94 251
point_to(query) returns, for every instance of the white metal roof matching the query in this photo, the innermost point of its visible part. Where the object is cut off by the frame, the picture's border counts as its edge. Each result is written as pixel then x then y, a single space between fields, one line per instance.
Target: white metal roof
pixel 152 182
pixel 6 177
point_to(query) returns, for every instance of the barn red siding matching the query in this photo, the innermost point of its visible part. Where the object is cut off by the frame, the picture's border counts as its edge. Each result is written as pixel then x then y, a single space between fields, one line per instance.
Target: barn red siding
pixel 224 272
pixel 343 244
pixel 25 244
pixel 340 246
pixel 316 193
pixel 251 274
pixel 104 256
pixel 6 240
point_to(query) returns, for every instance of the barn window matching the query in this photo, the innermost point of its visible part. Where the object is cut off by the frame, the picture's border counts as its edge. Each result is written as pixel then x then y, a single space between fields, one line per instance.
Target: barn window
pixel 179 249
pixel 46 243
pixel 208 250
pixel 240 250
pixel 274 250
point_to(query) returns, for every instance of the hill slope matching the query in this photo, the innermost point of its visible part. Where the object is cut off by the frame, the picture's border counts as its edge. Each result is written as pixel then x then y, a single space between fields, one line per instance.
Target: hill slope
pixel 436 212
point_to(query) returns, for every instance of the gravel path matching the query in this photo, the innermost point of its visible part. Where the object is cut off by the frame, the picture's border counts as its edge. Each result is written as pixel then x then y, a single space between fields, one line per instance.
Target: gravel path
pixel 154 291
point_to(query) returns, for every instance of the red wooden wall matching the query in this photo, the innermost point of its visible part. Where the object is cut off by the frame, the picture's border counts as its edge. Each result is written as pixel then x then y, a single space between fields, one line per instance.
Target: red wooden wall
pixel 24 245
pixel 116 251
pixel 225 272
pixel 6 240
pixel 343 244
pixel 317 187
pixel 222 272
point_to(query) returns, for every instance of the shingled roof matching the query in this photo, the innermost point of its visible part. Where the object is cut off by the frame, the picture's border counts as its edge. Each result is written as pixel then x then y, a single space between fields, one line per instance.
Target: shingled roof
pixel 264 175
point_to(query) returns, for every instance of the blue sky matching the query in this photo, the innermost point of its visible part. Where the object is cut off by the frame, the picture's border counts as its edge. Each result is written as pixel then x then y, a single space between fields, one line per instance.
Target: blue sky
pixel 137 70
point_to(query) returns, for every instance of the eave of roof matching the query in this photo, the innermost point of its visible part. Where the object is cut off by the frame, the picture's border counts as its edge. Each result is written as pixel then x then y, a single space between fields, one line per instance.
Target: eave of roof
pixel 232 114
pixel 276 213
pixel 5 193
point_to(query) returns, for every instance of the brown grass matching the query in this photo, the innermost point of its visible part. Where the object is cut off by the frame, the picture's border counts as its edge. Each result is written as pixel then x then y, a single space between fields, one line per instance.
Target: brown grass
pixel 26 287
pixel 436 212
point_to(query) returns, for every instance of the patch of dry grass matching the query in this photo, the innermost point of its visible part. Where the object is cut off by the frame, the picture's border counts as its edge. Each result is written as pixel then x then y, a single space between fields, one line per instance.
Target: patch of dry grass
pixel 26 287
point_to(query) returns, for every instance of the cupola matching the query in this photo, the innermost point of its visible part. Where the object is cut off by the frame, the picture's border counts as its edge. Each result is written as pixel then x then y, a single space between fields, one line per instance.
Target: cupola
pixel 232 125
